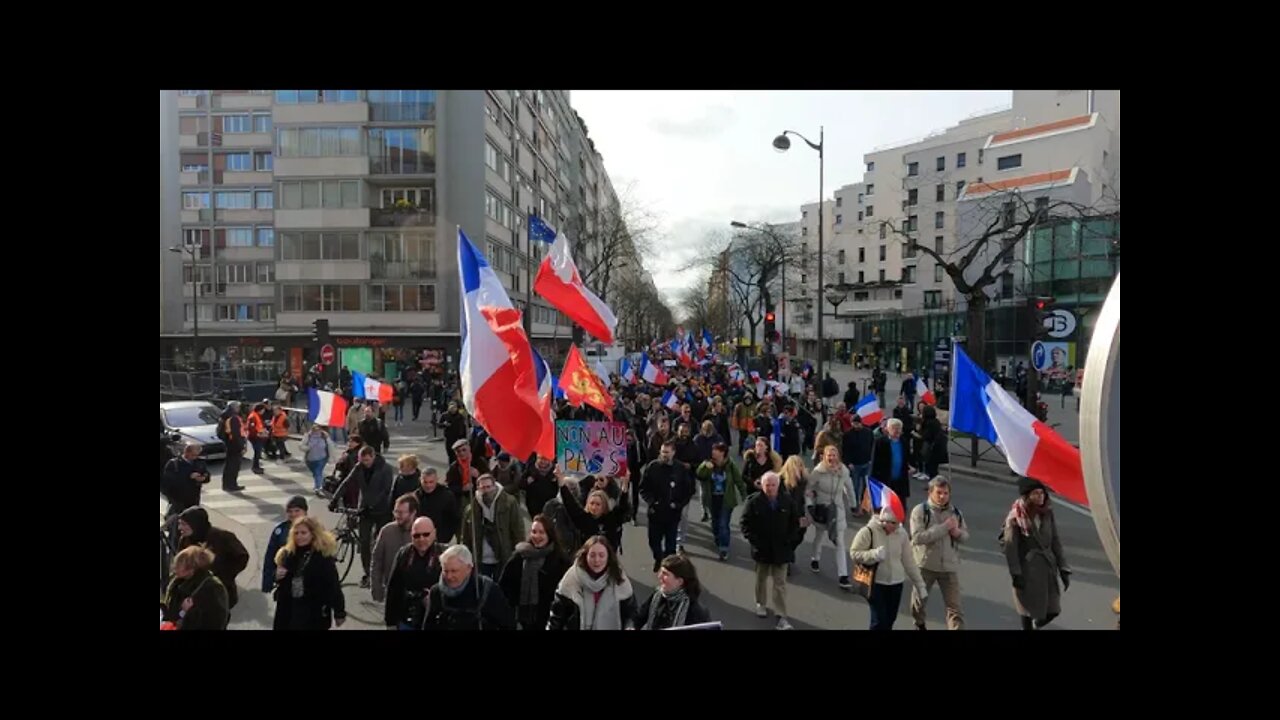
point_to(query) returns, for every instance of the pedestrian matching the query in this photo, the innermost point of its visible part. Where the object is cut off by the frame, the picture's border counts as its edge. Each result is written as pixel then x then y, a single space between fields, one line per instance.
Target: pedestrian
pixel 722 490
pixel 399 393
pixel 414 571
pixel 196 598
pixel 491 526
pixel 455 429
pixel 293 510
pixel 902 411
pixel 830 435
pixel 597 518
pixel 1033 550
pixel 371 429
pixel 889 464
pixel 539 483
pixel 316 454
pixel 280 433
pixel 308 593
pixel 660 434
pixel 719 418
pixel 686 455
pixel 851 395
pixel 855 449
pixel 909 390
pixel 463 471
pixel 374 477
pixel 343 469
pixel 393 536
pixel 232 434
pixel 677 601
pixel 355 413
pixel 932 441
pixel 666 487
pixel 706 439
pixel 635 465
pixel 417 393
pixel 440 504
pixel 256 431
pixel 828 500
pixel 508 473
pixel 409 477
pixel 757 461
pixel 229 556
pixel 774 524
pixel 790 434
pixel 881 545
pixel 530 577
pixel 937 529
pixel 464 599
pixel 182 478
pixel 594 593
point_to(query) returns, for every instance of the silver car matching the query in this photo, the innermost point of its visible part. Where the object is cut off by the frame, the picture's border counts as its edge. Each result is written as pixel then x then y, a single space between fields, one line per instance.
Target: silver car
pixel 193 421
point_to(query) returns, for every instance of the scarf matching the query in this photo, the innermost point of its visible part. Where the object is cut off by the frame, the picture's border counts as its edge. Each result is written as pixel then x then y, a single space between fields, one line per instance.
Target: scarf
pixel 452 593
pixel 599 605
pixel 533 560
pixel 667 611
pixel 1021 513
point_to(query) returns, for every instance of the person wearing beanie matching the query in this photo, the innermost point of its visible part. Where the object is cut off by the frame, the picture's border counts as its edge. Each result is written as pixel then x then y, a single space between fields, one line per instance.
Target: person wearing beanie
pixel 229 556
pixel 294 509
pixel 886 548
pixel 1033 550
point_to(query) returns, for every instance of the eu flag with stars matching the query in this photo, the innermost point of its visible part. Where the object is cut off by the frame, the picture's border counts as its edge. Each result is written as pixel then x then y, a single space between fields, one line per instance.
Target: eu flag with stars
pixel 540 231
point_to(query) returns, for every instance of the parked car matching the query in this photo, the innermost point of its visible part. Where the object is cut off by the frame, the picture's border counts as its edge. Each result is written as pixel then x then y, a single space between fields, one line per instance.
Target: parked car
pixel 193 420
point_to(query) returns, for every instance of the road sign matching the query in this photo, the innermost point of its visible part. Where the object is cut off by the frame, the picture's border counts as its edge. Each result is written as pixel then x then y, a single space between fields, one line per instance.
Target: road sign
pixel 328 355
pixel 1040 356
pixel 1060 323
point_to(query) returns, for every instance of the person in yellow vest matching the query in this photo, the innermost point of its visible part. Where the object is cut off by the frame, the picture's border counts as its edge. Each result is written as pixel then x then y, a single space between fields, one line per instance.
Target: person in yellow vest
pixel 280 432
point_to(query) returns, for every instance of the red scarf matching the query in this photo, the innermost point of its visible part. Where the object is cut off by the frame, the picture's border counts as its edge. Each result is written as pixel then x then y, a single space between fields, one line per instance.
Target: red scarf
pixel 1021 513
pixel 465 467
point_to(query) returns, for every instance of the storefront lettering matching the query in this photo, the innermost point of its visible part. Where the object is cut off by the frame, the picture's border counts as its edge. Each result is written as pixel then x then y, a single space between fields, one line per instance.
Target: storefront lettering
pixel 360 341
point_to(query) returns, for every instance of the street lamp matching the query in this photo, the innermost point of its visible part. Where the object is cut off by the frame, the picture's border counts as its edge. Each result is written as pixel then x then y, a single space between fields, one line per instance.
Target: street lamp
pixel 767 229
pixel 835 296
pixel 195 302
pixel 782 143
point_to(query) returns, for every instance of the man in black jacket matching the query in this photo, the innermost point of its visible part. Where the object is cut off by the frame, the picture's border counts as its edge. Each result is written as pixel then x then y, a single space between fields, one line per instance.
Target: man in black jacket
pixel 855 449
pixel 182 479
pixel 230 558
pixel 774 526
pixel 439 504
pixel 464 471
pixel 851 395
pixel 372 430
pixel 455 429
pixel 417 393
pixel 539 484
pixel 464 599
pixel 790 442
pixel 375 478
pixel 231 431
pixel 666 487
pixel 415 570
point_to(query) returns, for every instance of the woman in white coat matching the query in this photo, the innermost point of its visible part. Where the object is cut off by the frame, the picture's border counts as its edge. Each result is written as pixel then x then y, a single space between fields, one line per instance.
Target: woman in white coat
pixel 827 502
pixel 885 545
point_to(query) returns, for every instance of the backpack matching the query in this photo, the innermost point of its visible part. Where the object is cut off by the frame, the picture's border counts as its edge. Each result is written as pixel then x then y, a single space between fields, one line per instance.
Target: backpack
pixel 223 433
pixel 928 518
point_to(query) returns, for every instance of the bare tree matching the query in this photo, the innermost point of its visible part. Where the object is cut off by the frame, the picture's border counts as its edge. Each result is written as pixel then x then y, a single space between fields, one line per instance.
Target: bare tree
pixel 642 313
pixel 610 239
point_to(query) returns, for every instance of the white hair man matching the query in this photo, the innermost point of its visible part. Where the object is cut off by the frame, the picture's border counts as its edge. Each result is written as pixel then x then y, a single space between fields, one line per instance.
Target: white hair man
pixel 889 460
pixel 464 599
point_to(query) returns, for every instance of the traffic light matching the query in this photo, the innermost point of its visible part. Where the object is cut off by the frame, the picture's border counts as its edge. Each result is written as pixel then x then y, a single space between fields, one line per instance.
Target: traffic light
pixel 319 330
pixel 1041 314
pixel 769 319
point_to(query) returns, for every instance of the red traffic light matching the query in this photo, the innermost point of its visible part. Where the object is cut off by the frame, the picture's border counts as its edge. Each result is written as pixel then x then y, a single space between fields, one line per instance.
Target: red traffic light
pixel 1042 303
pixel 769 317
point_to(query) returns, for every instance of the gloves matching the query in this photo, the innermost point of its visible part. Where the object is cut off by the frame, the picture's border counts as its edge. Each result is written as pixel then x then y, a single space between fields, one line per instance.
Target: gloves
pixel 1066 579
pixel 882 553
pixel 1018 582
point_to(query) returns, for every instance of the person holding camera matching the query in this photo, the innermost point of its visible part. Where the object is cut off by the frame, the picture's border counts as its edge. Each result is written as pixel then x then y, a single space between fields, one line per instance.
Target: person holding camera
pixel 414 571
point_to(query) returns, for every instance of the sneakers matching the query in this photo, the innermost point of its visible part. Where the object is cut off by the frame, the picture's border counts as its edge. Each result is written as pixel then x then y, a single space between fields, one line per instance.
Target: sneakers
pixel 724 555
pixel 844 583
pixel 783 624
pixel 364 582
pixel 813 565
pixel 761 611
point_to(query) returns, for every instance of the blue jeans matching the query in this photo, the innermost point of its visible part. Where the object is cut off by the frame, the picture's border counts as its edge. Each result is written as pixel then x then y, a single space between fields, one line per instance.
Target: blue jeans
pixel 399 414
pixel 884 602
pixel 859 475
pixel 317 471
pixel 257 453
pixel 720 522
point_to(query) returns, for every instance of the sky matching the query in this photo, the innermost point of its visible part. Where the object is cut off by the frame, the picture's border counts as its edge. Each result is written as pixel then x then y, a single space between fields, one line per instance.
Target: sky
pixel 699 159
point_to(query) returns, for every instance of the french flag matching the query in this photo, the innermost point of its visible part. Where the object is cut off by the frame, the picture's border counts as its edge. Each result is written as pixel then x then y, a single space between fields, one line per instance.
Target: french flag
pixel 496 365
pixel 326 408
pixel 884 497
pixel 601 373
pixel 979 406
pixel 367 388
pixel 924 393
pixel 735 372
pixel 547 439
pixel 628 372
pixel 558 281
pixel 670 401
pixel 868 409
pixel 652 373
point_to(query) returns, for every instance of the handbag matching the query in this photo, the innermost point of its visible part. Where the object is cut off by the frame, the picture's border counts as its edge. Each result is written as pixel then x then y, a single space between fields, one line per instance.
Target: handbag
pixel 863 577
pixel 821 514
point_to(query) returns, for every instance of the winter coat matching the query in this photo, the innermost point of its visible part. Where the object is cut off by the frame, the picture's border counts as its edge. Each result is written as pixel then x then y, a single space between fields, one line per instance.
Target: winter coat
pixel 933 441
pixel 508 526
pixel 177 485
pixel 882 464
pixel 753 471
pixel 509 478
pixel 610 524
pixel 666 489
pixel 721 423
pixel 375 487
pixel 321 602
pixel 566 608
pixel 371 431
pixel 391 538
pixel 696 613
pixel 790 439
pixel 735 490
pixel 899 565
pixel 935 550
pixel 461 486
pixel 830 486
pixel 412 577
pixel 209 609
pixel 442 507
pixel 279 537
pixel 773 533
pixel 405 484
pixel 703 444
pixel 553 568
pixel 354 416
pixel 538 487
pixel 229 556
pixel 687 453
pixel 465 611
pixel 855 445
pixel 1038 560
pixel 316 447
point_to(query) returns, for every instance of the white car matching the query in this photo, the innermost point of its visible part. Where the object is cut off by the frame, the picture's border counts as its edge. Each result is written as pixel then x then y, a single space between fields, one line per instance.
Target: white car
pixel 193 420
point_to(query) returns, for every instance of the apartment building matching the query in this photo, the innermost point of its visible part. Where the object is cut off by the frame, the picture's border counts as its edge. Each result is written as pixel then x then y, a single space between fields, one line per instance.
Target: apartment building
pixel 292 205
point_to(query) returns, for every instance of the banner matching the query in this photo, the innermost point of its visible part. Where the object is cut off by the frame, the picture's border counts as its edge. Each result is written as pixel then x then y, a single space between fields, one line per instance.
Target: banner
pixel 591 448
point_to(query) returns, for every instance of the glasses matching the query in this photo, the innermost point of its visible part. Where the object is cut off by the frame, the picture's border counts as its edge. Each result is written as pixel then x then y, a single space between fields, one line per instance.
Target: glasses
pixel 422 535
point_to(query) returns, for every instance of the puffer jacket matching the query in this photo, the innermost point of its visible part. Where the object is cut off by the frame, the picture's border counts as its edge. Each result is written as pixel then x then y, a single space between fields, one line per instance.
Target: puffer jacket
pixel 830 486
pixel 932 545
pixel 898 565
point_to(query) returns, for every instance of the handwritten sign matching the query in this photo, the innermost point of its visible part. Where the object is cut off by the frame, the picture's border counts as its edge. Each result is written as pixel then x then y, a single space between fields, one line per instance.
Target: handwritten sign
pixel 591 448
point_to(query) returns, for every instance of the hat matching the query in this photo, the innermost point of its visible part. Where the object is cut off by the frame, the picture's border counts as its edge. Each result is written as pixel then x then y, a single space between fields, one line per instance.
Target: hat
pixel 461 442
pixel 297 501
pixel 1026 485
pixel 886 515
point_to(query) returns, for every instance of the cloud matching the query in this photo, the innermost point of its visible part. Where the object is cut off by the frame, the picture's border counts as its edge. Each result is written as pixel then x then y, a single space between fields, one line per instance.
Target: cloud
pixel 713 121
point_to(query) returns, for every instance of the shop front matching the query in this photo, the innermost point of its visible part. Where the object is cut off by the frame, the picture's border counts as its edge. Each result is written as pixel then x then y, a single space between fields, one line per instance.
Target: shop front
pixel 397 356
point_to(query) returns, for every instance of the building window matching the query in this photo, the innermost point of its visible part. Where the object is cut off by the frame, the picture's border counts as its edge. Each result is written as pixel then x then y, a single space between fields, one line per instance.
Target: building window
pixel 942 164
pixel 402 151
pixel 871 211
pixel 871 167
pixel 232 124
pixel 190 93
pixel 804 279
pixel 937 273
pixel 1042 208
pixel 1009 162
pixel 206 312
pixel 804 231
pixel 839 201
pixel 803 214
pixel 913 169
pixel 402 298
pixel 292 97
pixel 862 254
pixel 239 237
pixel 266 237
pixel 912 224
pixel 317 194
pixel 266 272
pixel 319 246
pixel 318 142
pixel 239 162
pixel 242 312
pixel 882 256
pixel 195 200
pixel 960 160
pixel 499 210
pixel 402 105
pixel 320 298
pixel 859 216
pixel 263 162
pixel 981 152
pixel 861 277
pixel 839 219
pixel 233 200
pixel 494 160
pixel 840 278
pixel 235 273
pixel 937 244
pixel 939 219
pixel 1008 212
pixel 266 313
pixel 193 237
pixel 871 189
pixel 264 199
pixel 422 198
pixel 884 231
pixel 959 188
pixel 897 294
pixel 1006 285
pixel 940 193
pixel 881 274
pixel 262 123
pixel 411 256
pixel 909 274
pixel 841 255
pixel 913 197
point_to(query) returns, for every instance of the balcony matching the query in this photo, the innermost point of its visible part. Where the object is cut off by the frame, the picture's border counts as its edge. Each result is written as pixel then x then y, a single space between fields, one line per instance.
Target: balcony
pixel 402 112
pixel 393 217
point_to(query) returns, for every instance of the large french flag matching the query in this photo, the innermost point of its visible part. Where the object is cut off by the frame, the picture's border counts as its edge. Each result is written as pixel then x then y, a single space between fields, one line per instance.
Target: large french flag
pixel 367 388
pixel 868 409
pixel 326 408
pixel 558 281
pixel 499 377
pixel 652 373
pixel 981 407
pixel 924 393
pixel 884 497
pixel 628 372
pixel 547 438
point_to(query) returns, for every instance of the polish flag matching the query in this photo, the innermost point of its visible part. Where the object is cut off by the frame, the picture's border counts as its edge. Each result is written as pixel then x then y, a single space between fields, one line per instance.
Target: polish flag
pixel 628 373
pixel 367 388
pixel 652 373
pixel 924 393
pixel 884 497
pixel 868 409
pixel 499 378
pixel 326 408
pixel 558 281
pixel 979 406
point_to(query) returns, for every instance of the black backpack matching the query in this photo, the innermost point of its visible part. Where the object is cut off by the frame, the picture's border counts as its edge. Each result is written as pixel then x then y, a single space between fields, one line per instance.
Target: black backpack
pixel 928 517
